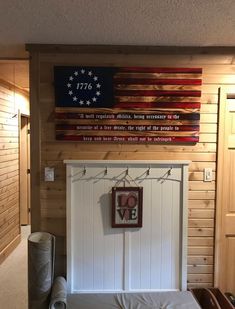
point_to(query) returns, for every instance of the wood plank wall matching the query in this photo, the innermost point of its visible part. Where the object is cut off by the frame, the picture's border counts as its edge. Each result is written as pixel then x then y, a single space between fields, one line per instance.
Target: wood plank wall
pixel 9 173
pixel 48 199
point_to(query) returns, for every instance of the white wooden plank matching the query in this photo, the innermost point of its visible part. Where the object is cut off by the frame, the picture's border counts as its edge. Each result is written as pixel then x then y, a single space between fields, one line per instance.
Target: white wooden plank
pixel 145 237
pixel 87 210
pixel 118 236
pixel 166 241
pixel 127 260
pixel 98 236
pixel 118 259
pixel 135 260
pixel 123 163
pixel 70 246
pixel 77 228
pixel 109 250
pixel 184 222
pixel 175 257
pixel 156 234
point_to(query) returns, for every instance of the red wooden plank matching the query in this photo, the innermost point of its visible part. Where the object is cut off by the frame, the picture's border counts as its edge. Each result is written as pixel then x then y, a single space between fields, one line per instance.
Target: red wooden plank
pixel 160 70
pixel 156 93
pixel 155 81
pixel 147 105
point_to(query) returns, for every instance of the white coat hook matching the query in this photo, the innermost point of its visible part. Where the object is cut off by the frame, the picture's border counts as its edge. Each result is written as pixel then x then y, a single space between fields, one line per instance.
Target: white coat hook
pixel 169 171
pixel 148 171
pixel 84 170
pixel 106 171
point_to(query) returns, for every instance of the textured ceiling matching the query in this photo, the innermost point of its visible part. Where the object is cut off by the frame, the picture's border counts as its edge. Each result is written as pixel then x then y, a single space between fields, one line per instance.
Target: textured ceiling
pixel 129 22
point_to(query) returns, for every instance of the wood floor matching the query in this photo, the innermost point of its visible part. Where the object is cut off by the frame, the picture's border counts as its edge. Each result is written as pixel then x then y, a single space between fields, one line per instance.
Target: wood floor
pixel 13 276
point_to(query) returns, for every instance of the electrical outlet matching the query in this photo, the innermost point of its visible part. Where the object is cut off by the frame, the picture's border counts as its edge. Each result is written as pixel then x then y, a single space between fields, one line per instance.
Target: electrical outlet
pixel 207 174
pixel 49 174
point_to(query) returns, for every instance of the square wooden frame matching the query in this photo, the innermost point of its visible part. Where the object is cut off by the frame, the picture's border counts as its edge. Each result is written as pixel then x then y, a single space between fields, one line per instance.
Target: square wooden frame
pixel 139 206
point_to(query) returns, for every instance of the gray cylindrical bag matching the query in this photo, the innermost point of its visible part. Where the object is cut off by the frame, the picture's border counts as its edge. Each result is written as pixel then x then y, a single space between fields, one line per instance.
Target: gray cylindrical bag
pixel 41 256
pixel 59 294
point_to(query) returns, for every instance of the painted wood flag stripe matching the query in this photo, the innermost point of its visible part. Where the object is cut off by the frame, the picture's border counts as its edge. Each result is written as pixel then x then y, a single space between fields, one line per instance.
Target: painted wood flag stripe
pixel 164 105
pixel 127 122
pixel 158 76
pixel 129 116
pixel 160 99
pixel 160 70
pixel 121 127
pixel 133 133
pixel 119 111
pixel 156 93
pixel 156 87
pixel 155 81
pixel 130 139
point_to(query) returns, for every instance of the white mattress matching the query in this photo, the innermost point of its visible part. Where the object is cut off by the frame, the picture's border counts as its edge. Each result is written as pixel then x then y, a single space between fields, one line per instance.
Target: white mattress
pixel 153 300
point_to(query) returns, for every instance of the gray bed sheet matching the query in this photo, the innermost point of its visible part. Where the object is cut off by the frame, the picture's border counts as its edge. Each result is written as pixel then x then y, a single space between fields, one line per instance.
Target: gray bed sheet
pixel 153 300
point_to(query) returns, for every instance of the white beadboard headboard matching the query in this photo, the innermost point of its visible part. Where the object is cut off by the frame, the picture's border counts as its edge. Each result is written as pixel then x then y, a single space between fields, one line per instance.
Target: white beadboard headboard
pixel 104 259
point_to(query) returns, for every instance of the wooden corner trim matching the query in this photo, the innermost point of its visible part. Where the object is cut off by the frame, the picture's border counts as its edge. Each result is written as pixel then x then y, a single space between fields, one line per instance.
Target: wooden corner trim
pixel 13 87
pixel 9 248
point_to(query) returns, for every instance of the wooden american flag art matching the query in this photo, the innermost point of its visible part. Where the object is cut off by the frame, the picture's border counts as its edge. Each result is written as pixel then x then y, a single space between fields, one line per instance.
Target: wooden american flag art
pixel 127 104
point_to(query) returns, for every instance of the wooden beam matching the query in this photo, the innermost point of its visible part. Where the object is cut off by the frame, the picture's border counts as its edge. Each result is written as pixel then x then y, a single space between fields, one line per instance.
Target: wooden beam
pixel 129 49
pixel 35 143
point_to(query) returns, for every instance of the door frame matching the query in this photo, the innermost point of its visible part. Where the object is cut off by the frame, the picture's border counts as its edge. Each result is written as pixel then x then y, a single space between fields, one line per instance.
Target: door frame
pixel 28 166
pixel 220 245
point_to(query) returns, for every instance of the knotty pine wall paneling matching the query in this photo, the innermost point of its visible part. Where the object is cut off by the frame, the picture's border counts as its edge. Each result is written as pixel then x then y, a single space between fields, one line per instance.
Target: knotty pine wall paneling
pixel 49 198
pixel 9 174
pixel 9 166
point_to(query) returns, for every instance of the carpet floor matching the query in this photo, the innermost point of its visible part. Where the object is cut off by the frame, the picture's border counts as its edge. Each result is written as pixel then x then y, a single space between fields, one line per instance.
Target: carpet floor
pixel 13 276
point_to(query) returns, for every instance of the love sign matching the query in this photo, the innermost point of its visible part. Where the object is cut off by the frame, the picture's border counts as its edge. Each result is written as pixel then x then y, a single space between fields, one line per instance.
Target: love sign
pixel 127 206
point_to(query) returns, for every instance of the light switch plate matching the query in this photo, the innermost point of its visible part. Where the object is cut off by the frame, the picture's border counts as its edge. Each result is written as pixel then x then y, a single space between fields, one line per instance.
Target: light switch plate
pixel 208 174
pixel 49 174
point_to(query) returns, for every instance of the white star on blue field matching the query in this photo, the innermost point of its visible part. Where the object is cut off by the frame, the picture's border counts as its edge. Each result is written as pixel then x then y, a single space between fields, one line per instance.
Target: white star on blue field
pixel 83 85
